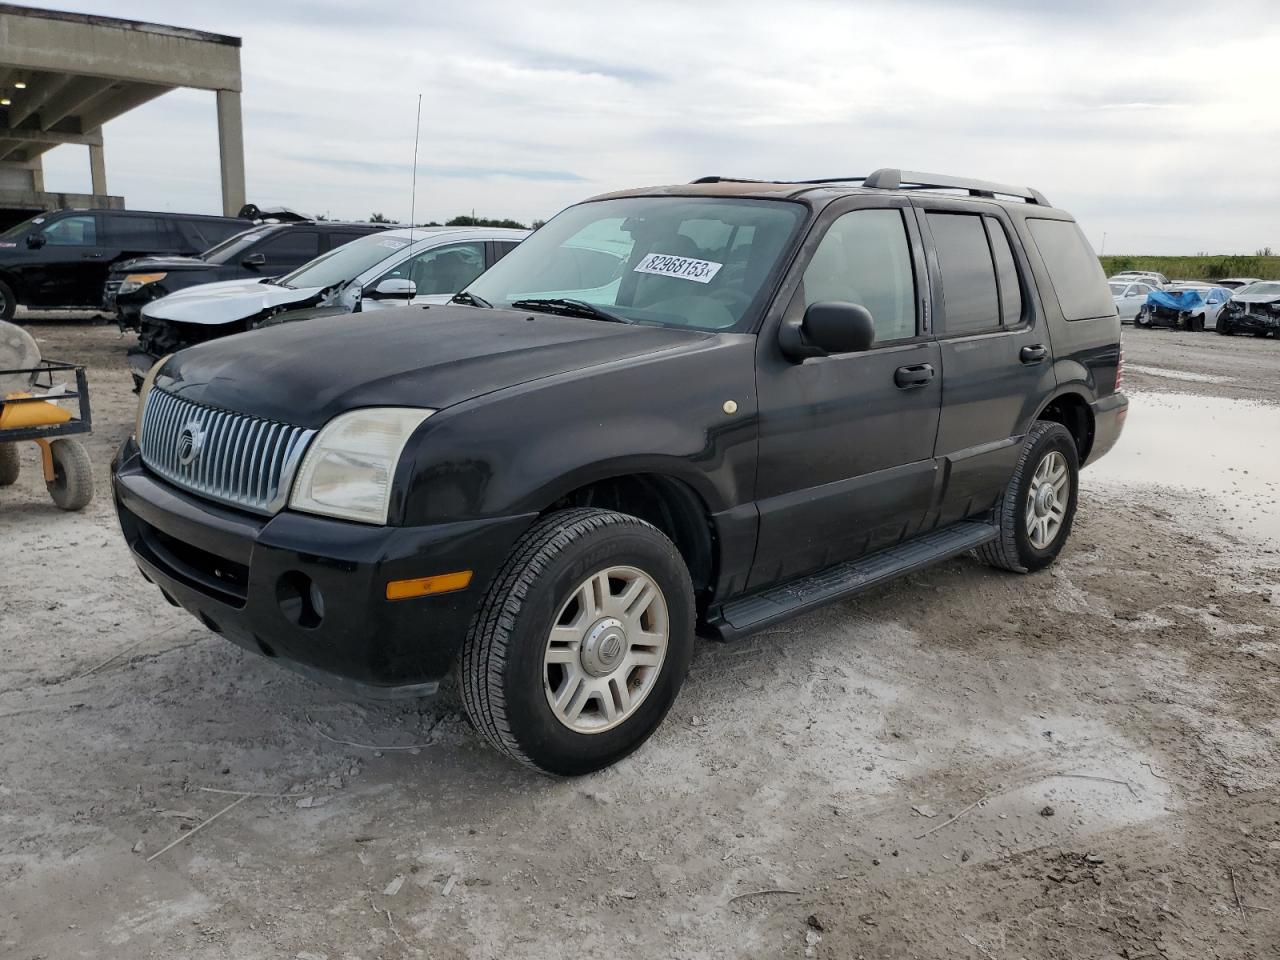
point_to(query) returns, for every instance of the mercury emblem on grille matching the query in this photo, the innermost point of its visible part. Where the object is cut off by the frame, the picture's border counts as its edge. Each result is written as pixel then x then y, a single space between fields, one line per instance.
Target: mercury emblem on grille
pixel 190 442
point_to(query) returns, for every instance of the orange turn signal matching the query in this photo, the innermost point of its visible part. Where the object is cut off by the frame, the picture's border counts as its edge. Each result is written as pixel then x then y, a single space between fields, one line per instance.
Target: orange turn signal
pixel 426 586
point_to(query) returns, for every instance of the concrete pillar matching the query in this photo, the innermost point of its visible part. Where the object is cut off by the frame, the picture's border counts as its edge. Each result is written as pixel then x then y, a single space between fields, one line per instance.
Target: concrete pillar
pixel 98 170
pixel 231 151
pixel 37 174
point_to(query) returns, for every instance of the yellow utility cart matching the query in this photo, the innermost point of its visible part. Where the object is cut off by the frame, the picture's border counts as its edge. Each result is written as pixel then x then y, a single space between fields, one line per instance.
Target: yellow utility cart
pixel 36 414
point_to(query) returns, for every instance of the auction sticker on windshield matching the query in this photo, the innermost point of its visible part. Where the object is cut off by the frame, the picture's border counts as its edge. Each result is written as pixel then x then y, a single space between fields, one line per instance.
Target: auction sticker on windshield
pixel 685 268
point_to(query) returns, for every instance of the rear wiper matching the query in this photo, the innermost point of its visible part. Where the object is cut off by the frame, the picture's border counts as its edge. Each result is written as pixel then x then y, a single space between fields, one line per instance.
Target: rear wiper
pixel 470 299
pixel 568 307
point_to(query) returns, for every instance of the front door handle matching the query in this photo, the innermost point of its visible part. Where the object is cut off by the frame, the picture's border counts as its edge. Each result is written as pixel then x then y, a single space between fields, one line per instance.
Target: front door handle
pixel 1033 354
pixel 914 376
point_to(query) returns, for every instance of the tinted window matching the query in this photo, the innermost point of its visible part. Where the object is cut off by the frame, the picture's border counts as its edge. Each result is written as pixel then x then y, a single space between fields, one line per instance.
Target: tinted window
pixel 72 232
pixel 501 248
pixel 1006 274
pixel 443 270
pixel 289 248
pixel 971 303
pixel 201 235
pixel 338 238
pixel 137 233
pixel 1074 270
pixel 865 258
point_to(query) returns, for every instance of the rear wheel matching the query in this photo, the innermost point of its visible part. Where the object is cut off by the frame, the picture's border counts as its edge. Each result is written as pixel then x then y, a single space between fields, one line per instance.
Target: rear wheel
pixel 72 485
pixel 10 465
pixel 581 644
pixel 8 302
pixel 1035 514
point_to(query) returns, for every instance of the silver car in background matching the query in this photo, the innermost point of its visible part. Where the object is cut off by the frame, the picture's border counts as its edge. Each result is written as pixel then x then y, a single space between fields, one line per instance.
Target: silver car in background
pixel 1129 297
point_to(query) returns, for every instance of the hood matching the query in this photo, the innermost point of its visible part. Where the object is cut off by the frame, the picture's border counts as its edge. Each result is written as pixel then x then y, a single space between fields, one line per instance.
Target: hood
pixel 307 373
pixel 1256 298
pixel 155 264
pixel 226 302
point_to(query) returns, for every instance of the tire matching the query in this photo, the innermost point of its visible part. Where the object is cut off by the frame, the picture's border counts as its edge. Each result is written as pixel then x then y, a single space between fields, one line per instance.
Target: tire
pixel 10 465
pixel 8 302
pixel 1224 328
pixel 72 484
pixel 508 677
pixel 1014 548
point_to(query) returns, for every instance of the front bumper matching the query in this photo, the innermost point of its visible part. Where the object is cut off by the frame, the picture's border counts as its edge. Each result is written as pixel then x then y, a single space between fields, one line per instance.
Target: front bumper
pixel 309 590
pixel 1109 415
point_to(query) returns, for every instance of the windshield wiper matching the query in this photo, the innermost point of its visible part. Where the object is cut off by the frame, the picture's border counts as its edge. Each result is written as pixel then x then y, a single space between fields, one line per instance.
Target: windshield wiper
pixel 568 307
pixel 469 299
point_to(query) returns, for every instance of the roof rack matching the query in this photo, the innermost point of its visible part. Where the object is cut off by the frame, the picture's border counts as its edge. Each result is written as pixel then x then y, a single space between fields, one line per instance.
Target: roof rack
pixel 891 179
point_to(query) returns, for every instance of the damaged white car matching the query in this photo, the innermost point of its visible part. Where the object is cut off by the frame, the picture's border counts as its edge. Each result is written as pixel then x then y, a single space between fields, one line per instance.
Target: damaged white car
pixel 422 265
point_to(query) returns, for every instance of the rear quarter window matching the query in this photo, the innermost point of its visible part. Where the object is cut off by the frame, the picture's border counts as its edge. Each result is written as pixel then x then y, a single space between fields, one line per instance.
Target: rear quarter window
pixel 1077 277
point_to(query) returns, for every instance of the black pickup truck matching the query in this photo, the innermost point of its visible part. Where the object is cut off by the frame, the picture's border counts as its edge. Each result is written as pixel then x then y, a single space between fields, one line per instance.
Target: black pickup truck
pixel 777 396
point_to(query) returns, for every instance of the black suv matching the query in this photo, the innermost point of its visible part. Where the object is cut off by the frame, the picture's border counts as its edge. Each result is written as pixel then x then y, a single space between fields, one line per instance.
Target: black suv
pixel 779 395
pixel 61 259
pixel 269 250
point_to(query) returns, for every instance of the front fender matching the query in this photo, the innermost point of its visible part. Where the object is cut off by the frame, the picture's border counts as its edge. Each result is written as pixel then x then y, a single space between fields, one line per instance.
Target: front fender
pixel 518 450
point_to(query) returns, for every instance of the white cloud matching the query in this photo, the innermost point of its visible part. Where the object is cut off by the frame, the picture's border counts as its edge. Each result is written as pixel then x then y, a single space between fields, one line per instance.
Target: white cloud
pixel 1151 121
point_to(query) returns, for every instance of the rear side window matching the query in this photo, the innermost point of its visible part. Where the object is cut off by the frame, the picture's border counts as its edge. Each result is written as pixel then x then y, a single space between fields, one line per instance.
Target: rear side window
pixel 501 248
pixel 971 301
pixel 1010 289
pixel 865 259
pixel 137 233
pixel 1074 270
pixel 290 248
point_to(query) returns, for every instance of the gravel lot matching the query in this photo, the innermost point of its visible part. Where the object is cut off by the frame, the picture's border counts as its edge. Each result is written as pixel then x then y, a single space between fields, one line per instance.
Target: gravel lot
pixel 1079 763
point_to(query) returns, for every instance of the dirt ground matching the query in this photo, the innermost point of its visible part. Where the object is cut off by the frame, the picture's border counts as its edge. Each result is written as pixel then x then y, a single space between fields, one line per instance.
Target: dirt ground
pixel 1080 763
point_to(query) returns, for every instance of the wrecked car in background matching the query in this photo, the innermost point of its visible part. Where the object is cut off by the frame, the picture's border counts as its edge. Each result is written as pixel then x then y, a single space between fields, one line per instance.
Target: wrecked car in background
pixel 1254 309
pixel 1186 306
pixel 266 250
pixel 391 268
pixel 1129 297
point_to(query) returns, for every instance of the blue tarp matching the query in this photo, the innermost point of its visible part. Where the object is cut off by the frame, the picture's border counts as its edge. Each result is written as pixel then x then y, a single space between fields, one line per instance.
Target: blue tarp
pixel 1178 300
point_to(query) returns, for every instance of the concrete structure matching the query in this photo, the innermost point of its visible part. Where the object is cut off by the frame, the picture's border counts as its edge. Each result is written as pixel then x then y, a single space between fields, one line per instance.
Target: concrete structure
pixel 63 75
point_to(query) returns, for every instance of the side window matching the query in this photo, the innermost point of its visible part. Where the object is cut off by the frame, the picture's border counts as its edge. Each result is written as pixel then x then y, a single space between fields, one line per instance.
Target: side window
pixel 444 269
pixel 209 233
pixel 1006 273
pixel 289 248
pixel 72 232
pixel 971 302
pixel 1074 269
pixel 338 238
pixel 865 258
pixel 137 233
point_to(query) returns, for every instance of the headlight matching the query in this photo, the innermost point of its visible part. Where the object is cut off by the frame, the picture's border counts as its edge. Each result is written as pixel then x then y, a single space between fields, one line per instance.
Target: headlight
pixel 148 382
pixel 136 281
pixel 348 469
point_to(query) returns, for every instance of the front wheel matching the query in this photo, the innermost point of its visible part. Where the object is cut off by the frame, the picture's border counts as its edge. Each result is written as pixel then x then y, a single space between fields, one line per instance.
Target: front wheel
pixel 582 642
pixel 72 485
pixel 1224 328
pixel 1035 514
pixel 8 302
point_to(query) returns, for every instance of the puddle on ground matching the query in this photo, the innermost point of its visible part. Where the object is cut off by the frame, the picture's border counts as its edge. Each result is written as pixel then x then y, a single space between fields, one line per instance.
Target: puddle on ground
pixel 1229 450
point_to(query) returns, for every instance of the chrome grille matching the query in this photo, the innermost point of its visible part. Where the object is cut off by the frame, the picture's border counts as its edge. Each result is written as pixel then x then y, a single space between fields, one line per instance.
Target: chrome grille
pixel 239 460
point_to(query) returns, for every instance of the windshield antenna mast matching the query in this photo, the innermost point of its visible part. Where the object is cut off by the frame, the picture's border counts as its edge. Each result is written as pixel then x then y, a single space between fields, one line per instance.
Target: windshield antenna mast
pixel 413 190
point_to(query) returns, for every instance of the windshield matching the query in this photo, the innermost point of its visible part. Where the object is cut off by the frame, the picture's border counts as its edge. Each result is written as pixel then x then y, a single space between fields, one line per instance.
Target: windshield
pixel 345 263
pixel 1265 289
pixel 235 245
pixel 17 231
pixel 669 261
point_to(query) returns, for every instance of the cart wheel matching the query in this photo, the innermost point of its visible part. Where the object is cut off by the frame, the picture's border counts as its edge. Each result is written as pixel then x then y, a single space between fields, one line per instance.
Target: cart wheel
pixel 9 464
pixel 72 484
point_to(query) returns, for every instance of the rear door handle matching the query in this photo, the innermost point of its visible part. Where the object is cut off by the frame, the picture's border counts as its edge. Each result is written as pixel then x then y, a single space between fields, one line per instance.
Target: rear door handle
pixel 915 376
pixel 1033 354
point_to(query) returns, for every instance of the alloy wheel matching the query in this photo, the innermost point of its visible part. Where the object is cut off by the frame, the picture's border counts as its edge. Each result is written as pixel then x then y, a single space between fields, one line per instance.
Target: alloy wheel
pixel 1047 499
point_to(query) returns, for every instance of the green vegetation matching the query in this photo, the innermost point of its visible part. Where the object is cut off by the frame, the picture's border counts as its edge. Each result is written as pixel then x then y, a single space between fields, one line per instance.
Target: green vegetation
pixel 465 221
pixel 1264 265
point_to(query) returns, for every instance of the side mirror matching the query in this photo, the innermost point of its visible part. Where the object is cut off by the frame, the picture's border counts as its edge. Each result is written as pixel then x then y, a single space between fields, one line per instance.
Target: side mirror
pixel 35 241
pixel 395 288
pixel 828 327
pixel 254 260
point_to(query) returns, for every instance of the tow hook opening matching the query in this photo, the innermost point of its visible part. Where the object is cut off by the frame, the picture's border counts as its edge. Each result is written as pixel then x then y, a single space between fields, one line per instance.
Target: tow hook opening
pixel 300 599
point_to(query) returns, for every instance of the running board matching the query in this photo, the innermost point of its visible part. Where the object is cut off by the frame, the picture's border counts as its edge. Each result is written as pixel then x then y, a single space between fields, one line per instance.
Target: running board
pixel 749 614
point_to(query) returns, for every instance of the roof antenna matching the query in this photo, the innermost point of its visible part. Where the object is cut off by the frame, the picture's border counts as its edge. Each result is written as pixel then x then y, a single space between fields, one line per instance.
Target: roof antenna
pixel 413 192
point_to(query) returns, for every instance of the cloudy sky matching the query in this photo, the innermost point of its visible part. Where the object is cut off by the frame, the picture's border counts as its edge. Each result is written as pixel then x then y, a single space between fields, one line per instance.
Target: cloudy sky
pixel 1153 121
